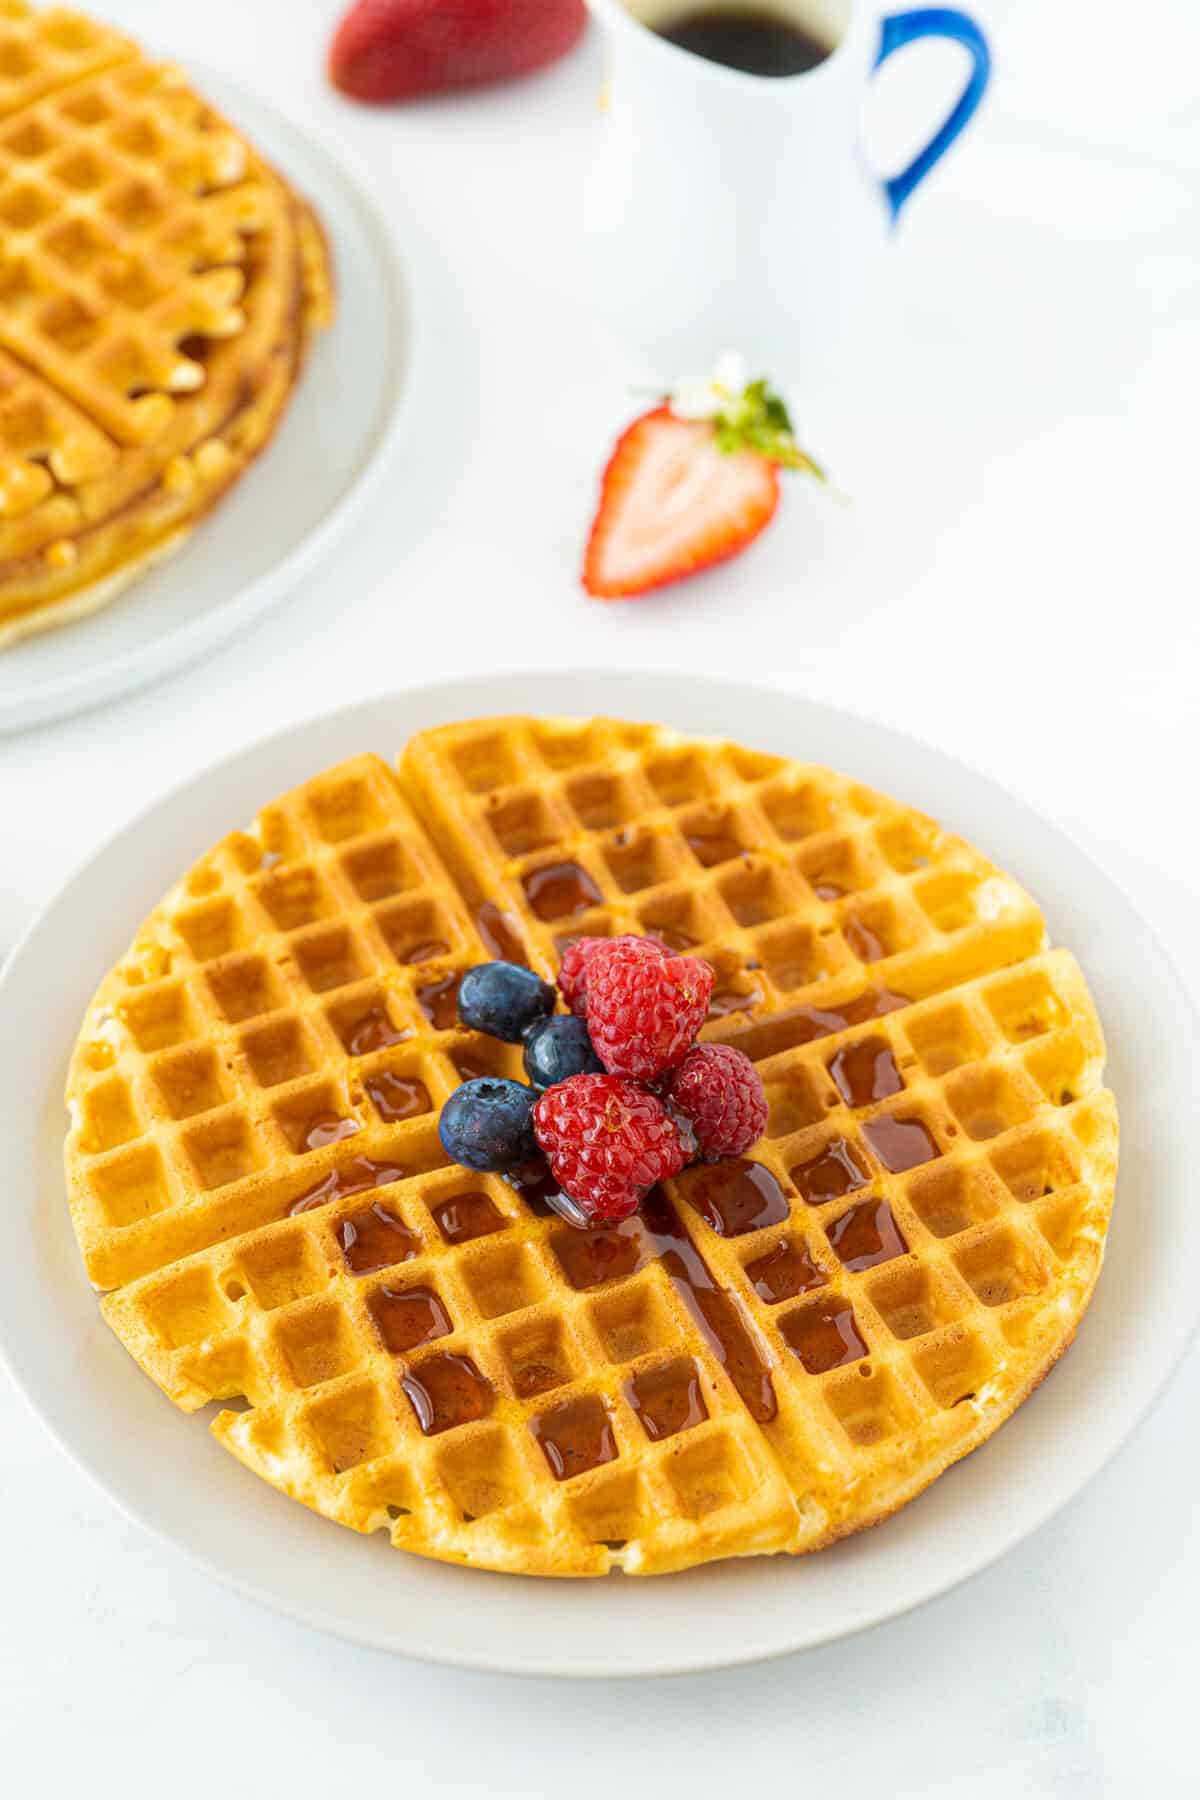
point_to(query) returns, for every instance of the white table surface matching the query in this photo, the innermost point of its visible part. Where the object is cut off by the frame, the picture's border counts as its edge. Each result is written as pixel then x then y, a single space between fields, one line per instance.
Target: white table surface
pixel 1015 579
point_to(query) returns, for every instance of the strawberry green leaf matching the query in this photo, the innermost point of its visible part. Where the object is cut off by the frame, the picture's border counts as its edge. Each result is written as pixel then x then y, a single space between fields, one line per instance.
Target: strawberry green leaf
pixel 757 419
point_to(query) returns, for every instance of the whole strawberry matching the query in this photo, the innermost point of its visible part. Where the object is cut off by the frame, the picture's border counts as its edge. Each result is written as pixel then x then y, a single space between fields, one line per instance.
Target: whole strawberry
pixel 719 1090
pixel 644 1011
pixel 608 1141
pixel 396 49
pixel 577 960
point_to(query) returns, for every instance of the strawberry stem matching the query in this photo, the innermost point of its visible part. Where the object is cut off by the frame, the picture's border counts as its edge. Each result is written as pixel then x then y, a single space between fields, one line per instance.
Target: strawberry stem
pixel 758 419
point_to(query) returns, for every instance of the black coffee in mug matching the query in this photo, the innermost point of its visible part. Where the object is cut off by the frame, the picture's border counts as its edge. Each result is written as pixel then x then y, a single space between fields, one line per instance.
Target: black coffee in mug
pixel 758 43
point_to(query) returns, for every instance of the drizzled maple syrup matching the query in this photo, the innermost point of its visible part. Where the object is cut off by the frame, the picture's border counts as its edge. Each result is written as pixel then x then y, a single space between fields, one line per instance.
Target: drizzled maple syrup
pixel 865 1072
pixel 446 1390
pixel 375 1239
pixel 465 1217
pixel 673 937
pixel 797 1025
pixel 397 1097
pixel 784 1272
pixel 499 934
pixel 327 1128
pixel 406 1318
pixel 715 1311
pixel 422 950
pixel 605 1253
pixel 874 1004
pixel 438 1000
pixel 559 890
pixel 866 943
pixel 354 1177
pixel 372 1031
pixel 834 1171
pixel 713 847
pixel 537 1188
pixel 728 1000
pixel 611 1252
pixel 824 1335
pixel 473 1067
pixel 736 1195
pixel 667 1400
pixel 866 1235
pixel 575 1437
pixel 900 1143
pixel 533 1378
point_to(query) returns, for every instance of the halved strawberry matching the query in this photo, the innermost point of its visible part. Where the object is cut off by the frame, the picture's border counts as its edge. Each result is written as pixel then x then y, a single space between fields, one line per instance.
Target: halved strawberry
pixel 691 483
pixel 672 503
pixel 395 49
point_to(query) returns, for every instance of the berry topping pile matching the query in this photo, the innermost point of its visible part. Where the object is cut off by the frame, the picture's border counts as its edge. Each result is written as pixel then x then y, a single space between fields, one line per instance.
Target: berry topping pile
pixel 504 1000
pixel 557 1049
pixel 487 1125
pixel 718 1089
pixel 577 960
pixel 620 1095
pixel 644 1011
pixel 607 1140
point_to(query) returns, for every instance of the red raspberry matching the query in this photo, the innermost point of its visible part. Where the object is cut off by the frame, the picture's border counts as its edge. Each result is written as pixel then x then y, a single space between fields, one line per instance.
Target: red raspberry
pixel 643 1012
pixel 718 1088
pixel 608 1141
pixel 577 960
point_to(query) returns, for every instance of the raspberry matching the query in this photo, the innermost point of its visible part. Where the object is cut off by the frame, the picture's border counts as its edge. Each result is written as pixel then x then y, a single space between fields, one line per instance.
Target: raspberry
pixel 719 1090
pixel 608 1141
pixel 643 1013
pixel 577 960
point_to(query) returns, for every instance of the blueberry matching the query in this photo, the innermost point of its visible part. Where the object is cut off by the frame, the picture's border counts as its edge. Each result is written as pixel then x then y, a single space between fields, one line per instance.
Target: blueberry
pixel 559 1048
pixel 488 1125
pixel 504 1000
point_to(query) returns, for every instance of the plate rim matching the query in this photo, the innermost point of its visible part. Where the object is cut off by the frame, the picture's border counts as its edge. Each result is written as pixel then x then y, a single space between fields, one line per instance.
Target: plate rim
pixel 1099 1449
pixel 130 671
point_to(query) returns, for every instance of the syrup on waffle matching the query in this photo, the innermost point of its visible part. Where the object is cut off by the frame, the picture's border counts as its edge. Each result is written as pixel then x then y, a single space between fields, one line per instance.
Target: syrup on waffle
pixel 159 285
pixel 779 1349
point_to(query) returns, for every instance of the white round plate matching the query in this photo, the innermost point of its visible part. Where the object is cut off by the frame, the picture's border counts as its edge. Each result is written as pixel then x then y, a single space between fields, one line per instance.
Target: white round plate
pixel 301 492
pixel 165 1470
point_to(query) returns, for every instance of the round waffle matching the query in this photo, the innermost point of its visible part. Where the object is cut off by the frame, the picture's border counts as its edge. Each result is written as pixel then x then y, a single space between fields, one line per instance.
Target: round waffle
pixel 778 1350
pixel 159 285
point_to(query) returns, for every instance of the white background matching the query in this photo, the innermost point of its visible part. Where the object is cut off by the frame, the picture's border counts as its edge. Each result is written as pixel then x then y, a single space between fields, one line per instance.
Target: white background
pixel 1015 578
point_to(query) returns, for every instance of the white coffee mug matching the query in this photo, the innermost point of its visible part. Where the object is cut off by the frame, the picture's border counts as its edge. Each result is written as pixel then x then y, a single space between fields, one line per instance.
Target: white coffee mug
pixel 735 210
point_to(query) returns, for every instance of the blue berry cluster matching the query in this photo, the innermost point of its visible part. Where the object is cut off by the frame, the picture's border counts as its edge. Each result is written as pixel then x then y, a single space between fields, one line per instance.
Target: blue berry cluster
pixel 487 1124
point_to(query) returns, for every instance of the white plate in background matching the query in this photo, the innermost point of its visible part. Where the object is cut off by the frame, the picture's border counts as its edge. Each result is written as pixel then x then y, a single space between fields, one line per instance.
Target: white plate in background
pixel 165 1470
pixel 303 490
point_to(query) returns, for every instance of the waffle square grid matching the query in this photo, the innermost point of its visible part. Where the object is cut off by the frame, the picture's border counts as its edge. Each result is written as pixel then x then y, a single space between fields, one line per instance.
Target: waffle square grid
pixel 773 1353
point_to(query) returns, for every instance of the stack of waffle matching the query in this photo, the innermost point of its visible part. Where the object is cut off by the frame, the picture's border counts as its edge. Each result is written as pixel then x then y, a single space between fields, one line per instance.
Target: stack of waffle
pixel 778 1350
pixel 159 285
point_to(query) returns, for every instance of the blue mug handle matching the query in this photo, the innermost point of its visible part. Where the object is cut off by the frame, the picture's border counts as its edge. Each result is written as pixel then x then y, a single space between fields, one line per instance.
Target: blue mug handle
pixel 904 28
